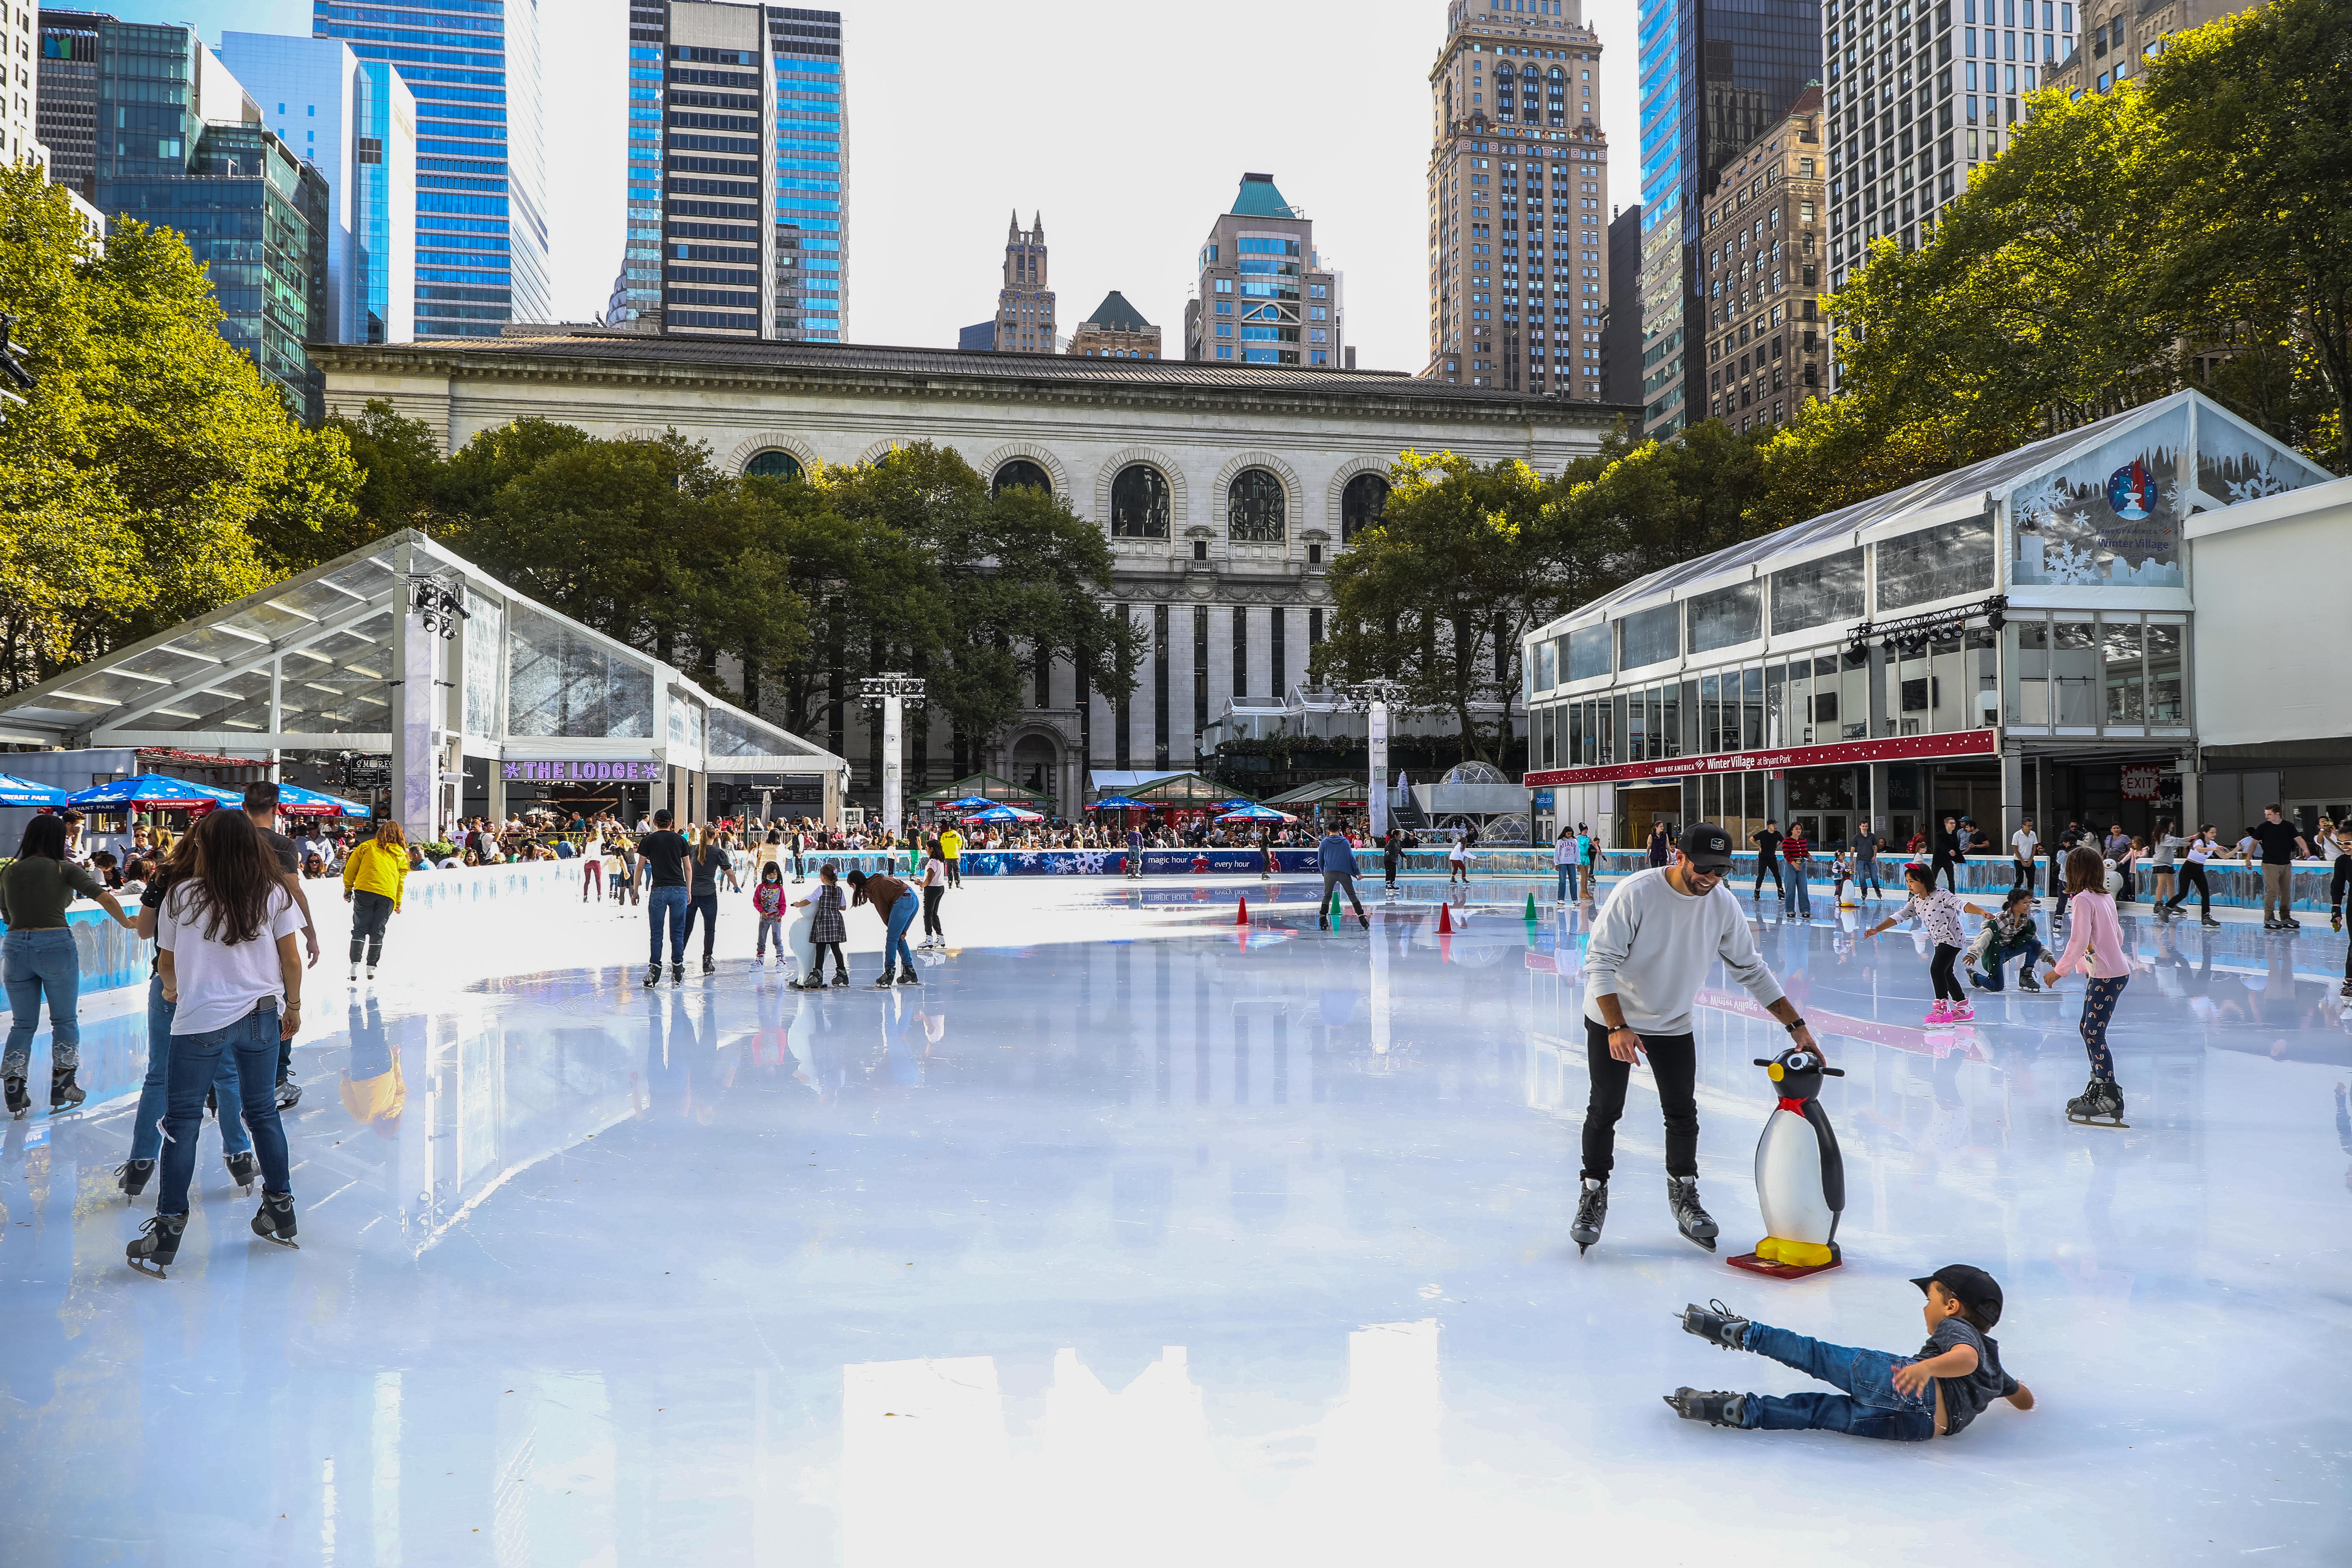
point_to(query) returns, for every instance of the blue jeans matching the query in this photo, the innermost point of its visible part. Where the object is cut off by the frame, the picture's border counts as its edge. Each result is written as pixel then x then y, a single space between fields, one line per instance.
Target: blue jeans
pixel 894 938
pixel 1870 1406
pixel 147 1129
pixel 2000 954
pixel 1567 882
pixel 666 903
pixel 37 963
pixel 196 1063
pixel 1797 894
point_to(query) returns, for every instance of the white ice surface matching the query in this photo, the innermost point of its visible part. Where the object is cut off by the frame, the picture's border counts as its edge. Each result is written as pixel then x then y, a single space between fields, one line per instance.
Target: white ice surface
pixel 1132 1236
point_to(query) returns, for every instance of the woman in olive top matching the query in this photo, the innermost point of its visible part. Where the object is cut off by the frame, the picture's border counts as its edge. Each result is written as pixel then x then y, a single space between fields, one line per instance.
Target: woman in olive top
pixel 39 958
pixel 372 880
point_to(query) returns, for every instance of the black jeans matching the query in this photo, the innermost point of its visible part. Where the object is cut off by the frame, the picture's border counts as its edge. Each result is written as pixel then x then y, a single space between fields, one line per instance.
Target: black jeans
pixel 2025 869
pixel 1947 867
pixel 1674 1063
pixel 1939 973
pixel 2192 875
pixel 1770 863
pixel 931 897
pixel 707 906
pixel 370 911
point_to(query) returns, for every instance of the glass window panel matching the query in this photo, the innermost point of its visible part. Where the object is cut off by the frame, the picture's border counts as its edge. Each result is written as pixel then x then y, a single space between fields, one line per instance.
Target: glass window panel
pixel 1853 678
pixel 1982 662
pixel 1941 562
pixel 1588 652
pixel 1138 503
pixel 1710 712
pixel 1799 702
pixel 1649 637
pixel 1256 508
pixel 339 684
pixel 560 683
pixel 2124 679
pixel 1752 708
pixel 1637 727
pixel 2165 704
pixel 1545 667
pixel 1577 759
pixel 1947 687
pixel 1818 593
pixel 2028 681
pixel 485 634
pixel 2075 672
pixel 2110 517
pixel 1726 616
pixel 2234 465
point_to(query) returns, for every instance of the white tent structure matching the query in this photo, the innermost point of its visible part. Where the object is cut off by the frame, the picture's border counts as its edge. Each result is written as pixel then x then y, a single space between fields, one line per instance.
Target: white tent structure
pixel 404 649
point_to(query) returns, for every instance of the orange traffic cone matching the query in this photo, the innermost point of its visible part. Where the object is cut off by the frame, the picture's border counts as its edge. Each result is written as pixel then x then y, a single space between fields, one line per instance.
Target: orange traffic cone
pixel 1446 920
pixel 1241 915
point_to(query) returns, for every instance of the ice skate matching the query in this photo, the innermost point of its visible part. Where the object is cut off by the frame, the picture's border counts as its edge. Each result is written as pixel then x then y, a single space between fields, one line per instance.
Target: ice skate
pixel 1938 1014
pixel 2211 923
pixel 2025 980
pixel 2344 989
pixel 707 966
pixel 1717 1324
pixel 1694 1222
pixel 132 1176
pixel 1715 1409
pixel 355 971
pixel 370 973
pixel 274 1220
pixel 1591 1214
pixel 64 1093
pixel 158 1244
pixel 887 980
pixel 2099 1105
pixel 653 975
pixel 290 1093
pixel 841 979
pixel 677 974
pixel 1966 1013
pixel 20 1102
pixel 908 977
pixel 245 1171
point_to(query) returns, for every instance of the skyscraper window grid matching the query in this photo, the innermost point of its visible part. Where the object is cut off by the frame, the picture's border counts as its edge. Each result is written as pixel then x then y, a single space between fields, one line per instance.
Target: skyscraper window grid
pixel 481 209
pixel 812 180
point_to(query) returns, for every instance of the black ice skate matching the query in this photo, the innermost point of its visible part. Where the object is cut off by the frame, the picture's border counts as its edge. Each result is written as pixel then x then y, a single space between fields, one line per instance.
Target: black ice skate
pixel 1591 1214
pixel 1682 1196
pixel 132 1176
pixel 653 975
pixel 64 1093
pixel 677 974
pixel 841 977
pixel 20 1102
pixel 707 966
pixel 245 1171
pixel 1717 1324
pixel 1717 1409
pixel 908 977
pixel 290 1093
pixel 274 1220
pixel 2099 1105
pixel 2025 980
pixel 158 1244
pixel 885 982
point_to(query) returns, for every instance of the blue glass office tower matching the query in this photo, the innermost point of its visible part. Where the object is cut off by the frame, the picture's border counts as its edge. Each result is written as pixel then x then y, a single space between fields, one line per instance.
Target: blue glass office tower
pixel 738 211
pixel 481 173
pixel 1716 75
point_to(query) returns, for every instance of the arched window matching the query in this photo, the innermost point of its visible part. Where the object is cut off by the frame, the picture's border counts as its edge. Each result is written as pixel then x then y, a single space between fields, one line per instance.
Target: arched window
pixel 1138 503
pixel 1361 505
pixel 772 465
pixel 1022 473
pixel 1255 509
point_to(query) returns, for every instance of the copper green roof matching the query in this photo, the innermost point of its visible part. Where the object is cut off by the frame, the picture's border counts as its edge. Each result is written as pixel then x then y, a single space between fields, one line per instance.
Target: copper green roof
pixel 1259 198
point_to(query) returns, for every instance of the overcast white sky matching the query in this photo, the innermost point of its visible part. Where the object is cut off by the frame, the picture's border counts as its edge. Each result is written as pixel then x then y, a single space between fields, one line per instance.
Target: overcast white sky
pixel 1128 126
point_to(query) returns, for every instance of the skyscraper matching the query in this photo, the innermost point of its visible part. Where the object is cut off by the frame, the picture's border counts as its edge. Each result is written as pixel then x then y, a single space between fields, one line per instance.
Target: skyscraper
pixel 1266 295
pixel 1025 305
pixel 1715 74
pixel 20 88
pixel 183 147
pixel 481 179
pixel 1621 339
pixel 1760 255
pixel 355 122
pixel 1116 329
pixel 1513 98
pixel 738 210
pixel 1917 98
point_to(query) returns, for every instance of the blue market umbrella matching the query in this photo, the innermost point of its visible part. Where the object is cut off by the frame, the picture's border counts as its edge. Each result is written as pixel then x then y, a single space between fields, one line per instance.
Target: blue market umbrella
pixel 296 801
pixel 15 790
pixel 1007 813
pixel 968 802
pixel 155 790
pixel 1118 802
pixel 1257 813
pixel 1239 803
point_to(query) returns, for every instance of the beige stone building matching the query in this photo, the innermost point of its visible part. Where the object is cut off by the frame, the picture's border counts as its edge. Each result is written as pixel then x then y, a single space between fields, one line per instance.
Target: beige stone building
pixel 1224 489
pixel 2120 38
pixel 1116 329
pixel 1760 260
pixel 1024 306
pixel 1266 297
pixel 1518 200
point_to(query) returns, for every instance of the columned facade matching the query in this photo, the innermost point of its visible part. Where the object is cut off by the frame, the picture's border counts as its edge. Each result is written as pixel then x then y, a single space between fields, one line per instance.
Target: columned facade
pixel 1225 491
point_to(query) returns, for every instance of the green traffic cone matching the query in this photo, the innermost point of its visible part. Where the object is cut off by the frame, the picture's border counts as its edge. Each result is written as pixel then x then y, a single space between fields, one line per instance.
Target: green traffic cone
pixel 1331 912
pixel 1530 914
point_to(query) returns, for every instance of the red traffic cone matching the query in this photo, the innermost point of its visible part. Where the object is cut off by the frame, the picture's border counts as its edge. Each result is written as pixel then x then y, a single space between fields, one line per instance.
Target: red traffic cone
pixel 1446 920
pixel 1241 915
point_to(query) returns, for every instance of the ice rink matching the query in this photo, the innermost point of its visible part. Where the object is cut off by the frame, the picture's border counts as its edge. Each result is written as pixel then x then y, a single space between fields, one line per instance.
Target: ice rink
pixel 1134 1236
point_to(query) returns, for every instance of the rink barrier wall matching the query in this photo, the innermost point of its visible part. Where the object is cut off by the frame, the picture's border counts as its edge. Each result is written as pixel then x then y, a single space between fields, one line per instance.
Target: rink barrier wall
pixel 113 956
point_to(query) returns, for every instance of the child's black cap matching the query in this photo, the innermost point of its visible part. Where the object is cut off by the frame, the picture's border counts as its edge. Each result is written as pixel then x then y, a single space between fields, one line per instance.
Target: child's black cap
pixel 1974 1288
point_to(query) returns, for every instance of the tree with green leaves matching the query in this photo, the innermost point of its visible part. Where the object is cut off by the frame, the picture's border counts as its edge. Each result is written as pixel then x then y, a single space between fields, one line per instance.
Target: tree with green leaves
pixel 151 474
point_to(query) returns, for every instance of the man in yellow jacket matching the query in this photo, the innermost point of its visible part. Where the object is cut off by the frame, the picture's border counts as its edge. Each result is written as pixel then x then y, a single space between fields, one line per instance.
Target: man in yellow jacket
pixel 951 851
pixel 372 880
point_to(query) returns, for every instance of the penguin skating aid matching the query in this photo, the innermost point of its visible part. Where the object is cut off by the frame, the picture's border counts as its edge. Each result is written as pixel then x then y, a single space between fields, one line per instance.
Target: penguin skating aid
pixel 1800 1175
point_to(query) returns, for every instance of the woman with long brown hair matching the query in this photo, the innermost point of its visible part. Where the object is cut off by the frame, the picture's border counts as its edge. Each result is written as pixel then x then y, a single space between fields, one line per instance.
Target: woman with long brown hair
pixel 227 944
pixel 40 961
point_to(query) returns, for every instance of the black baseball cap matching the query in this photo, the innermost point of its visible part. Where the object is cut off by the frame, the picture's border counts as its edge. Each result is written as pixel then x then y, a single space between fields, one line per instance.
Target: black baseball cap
pixel 1707 847
pixel 1974 1288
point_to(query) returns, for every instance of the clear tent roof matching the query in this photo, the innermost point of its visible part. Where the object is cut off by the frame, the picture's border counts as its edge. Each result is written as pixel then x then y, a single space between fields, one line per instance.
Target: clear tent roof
pixel 308 663
pixel 1998 475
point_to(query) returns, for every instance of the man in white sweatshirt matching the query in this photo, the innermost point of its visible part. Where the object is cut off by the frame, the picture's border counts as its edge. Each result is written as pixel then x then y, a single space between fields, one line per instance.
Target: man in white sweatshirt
pixel 1651 948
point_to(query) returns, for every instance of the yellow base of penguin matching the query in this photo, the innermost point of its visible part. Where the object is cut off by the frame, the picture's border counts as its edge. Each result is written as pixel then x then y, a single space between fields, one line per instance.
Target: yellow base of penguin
pixel 1787 1259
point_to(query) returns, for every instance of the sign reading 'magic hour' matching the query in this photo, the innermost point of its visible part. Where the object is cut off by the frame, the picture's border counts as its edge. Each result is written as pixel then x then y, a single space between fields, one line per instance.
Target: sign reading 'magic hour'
pixel 576 770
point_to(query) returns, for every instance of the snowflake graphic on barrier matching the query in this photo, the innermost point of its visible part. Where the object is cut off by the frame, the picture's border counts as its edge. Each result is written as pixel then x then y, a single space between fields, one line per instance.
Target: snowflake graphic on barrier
pixel 2037 504
pixel 2253 486
pixel 2069 562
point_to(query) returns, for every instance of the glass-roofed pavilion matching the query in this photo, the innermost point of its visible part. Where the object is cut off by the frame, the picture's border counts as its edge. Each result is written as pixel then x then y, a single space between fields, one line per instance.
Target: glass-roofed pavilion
pixel 481 699
pixel 2007 639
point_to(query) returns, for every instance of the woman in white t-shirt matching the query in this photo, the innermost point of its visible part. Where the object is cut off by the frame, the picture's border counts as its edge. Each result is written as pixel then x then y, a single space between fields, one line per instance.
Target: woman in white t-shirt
pixel 228 955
